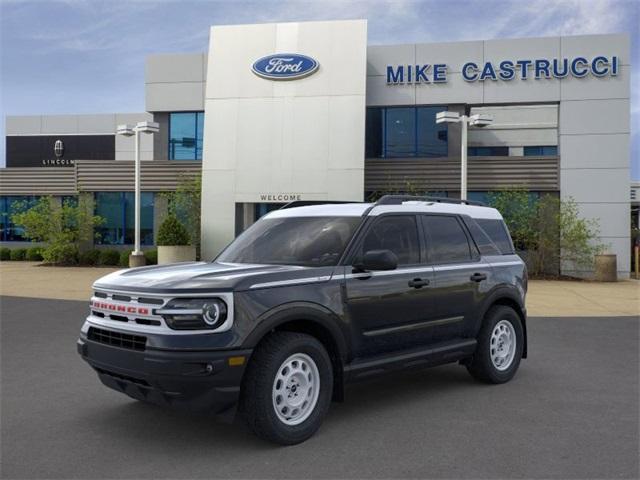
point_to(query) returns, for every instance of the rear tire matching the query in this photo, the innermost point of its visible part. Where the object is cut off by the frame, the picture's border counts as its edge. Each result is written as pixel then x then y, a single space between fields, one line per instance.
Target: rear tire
pixel 287 388
pixel 499 349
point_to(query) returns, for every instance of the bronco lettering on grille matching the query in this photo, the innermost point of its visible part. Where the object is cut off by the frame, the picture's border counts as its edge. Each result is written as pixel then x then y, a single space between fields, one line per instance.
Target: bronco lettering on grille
pixel 119 308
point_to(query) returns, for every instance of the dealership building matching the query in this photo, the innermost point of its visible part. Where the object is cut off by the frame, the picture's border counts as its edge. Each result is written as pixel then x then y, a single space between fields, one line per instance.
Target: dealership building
pixel 308 111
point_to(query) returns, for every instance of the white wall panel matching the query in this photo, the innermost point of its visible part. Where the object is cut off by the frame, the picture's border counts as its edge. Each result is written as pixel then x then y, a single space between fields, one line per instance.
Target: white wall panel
pixel 303 137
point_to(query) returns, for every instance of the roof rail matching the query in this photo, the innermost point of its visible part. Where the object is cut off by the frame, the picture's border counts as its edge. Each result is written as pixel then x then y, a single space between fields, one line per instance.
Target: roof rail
pixel 306 203
pixel 399 199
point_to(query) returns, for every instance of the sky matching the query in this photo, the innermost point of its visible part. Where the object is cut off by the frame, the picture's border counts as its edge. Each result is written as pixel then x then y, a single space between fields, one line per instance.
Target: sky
pixel 88 56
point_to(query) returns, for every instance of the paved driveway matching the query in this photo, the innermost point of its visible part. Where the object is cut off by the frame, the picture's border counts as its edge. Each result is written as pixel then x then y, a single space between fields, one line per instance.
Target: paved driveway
pixel 571 412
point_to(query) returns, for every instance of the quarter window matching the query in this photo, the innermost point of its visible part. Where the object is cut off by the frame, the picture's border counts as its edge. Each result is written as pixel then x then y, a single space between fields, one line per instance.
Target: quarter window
pixel 446 240
pixel 396 233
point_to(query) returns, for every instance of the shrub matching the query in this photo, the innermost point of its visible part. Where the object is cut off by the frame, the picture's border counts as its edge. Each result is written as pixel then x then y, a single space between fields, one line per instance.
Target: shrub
pixel 109 257
pixel 185 204
pixel 151 256
pixel 172 232
pixel 34 254
pixel 18 254
pixel 61 227
pixel 90 257
pixel 5 253
pixel 57 254
pixel 124 258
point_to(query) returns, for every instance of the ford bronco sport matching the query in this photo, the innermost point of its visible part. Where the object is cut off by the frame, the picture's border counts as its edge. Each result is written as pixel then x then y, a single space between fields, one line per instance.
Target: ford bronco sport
pixel 310 298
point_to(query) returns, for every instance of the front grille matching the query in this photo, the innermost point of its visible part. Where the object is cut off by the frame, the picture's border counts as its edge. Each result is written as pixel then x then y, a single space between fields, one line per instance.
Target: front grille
pixel 117 339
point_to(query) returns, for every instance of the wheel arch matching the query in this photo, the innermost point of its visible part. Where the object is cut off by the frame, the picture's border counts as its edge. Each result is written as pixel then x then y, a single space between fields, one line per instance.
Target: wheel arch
pixel 314 320
pixel 509 299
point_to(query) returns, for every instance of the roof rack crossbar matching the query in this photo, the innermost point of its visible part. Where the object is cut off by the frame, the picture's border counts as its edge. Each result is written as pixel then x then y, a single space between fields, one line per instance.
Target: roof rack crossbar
pixel 399 199
pixel 306 203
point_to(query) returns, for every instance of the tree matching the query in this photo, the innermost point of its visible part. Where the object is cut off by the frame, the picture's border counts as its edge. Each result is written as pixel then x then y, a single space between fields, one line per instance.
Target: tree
pixel 185 204
pixel 548 230
pixel 61 227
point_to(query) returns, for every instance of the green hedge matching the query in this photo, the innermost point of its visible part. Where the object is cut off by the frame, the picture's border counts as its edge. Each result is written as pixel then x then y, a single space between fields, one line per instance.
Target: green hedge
pixel 109 257
pixel 18 254
pixel 151 256
pixel 90 257
pixel 34 254
pixel 124 258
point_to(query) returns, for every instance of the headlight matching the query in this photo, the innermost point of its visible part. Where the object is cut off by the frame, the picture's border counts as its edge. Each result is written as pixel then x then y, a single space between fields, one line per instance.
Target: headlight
pixel 194 313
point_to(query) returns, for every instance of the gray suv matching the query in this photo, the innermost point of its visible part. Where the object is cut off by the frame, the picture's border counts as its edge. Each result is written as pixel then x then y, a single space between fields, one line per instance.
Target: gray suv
pixel 308 299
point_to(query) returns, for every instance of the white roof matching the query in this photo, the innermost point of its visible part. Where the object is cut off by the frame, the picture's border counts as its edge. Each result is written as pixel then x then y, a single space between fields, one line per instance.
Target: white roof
pixel 357 209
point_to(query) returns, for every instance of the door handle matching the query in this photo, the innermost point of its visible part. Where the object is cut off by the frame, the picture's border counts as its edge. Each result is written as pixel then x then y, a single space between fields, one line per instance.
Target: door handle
pixel 478 277
pixel 418 283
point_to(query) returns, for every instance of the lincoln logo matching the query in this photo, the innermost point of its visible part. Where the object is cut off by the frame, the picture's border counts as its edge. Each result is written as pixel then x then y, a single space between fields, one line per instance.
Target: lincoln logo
pixel 285 66
pixel 118 308
pixel 58 148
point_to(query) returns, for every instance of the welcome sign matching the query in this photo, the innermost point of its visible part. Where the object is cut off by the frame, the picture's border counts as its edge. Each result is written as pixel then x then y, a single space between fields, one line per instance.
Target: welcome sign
pixel 507 70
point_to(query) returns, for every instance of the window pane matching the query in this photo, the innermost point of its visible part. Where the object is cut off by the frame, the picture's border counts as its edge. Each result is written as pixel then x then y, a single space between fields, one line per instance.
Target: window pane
pixel 432 137
pixel 488 151
pixel 9 206
pixel 541 151
pixel 146 218
pixel 373 136
pixel 109 206
pixel 447 241
pixel 199 135
pixel 400 128
pixel 398 234
pixel 185 135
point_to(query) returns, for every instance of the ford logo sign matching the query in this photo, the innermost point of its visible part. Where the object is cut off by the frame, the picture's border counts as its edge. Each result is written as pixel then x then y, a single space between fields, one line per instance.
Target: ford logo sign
pixel 285 66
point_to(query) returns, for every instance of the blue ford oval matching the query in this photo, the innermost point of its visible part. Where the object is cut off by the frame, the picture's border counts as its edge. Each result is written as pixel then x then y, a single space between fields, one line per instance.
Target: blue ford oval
pixel 285 66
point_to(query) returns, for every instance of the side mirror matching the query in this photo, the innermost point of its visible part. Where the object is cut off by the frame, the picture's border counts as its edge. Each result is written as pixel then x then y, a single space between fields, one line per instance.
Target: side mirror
pixel 378 260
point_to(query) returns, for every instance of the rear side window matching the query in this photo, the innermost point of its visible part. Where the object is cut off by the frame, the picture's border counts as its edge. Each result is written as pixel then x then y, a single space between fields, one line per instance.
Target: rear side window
pixel 497 232
pixel 484 243
pixel 446 240
pixel 396 233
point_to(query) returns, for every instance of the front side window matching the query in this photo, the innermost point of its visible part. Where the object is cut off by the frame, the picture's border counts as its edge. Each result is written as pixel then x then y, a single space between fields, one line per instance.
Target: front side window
pixel 446 240
pixel 398 234
pixel 185 135
pixel 304 241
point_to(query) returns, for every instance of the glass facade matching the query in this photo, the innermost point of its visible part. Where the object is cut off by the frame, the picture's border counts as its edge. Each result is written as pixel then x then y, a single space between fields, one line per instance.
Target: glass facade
pixel 185 135
pixel 10 232
pixel 541 151
pixel 117 209
pixel 405 132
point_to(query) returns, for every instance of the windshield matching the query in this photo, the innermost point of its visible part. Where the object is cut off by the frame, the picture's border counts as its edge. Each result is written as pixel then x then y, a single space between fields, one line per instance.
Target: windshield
pixel 304 241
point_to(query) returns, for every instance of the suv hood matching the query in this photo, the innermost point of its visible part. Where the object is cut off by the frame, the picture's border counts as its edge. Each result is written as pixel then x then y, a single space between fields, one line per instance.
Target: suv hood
pixel 196 277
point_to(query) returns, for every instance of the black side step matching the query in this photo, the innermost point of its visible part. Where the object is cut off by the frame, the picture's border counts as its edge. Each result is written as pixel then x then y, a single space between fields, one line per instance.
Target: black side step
pixel 437 354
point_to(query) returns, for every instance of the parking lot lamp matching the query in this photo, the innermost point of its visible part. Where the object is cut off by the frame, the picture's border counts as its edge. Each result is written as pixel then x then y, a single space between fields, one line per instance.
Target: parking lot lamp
pixel 136 259
pixel 477 120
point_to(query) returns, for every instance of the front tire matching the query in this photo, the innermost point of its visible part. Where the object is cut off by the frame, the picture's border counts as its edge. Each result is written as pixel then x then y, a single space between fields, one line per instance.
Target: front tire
pixel 500 345
pixel 287 388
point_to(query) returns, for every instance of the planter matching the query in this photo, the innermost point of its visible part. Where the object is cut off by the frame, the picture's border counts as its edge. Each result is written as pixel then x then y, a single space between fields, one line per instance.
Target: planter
pixel 606 268
pixel 176 253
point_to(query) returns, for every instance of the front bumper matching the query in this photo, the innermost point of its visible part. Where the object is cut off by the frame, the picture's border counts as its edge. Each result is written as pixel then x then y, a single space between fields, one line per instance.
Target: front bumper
pixel 192 380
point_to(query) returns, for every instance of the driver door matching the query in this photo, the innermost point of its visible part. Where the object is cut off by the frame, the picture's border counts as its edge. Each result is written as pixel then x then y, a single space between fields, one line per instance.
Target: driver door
pixel 389 310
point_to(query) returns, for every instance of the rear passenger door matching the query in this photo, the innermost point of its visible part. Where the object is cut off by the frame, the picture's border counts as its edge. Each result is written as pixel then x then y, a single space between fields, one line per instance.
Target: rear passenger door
pixel 459 274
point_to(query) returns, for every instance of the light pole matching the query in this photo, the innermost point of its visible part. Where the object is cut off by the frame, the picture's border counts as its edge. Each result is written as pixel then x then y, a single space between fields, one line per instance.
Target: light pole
pixel 136 258
pixel 477 120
